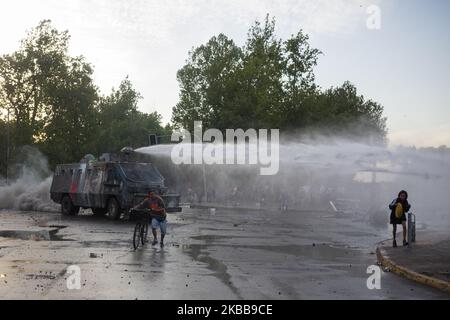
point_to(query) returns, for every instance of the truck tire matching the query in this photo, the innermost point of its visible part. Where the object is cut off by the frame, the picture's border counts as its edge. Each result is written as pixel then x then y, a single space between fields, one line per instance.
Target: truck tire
pixel 113 209
pixel 99 211
pixel 67 207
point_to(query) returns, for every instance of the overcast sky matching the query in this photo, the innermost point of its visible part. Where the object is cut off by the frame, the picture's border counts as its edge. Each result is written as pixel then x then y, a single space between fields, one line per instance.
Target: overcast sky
pixel 405 65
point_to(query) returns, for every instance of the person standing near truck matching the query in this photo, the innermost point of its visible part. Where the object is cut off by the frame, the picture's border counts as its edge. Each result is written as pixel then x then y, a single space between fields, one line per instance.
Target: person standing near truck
pixel 399 207
pixel 156 205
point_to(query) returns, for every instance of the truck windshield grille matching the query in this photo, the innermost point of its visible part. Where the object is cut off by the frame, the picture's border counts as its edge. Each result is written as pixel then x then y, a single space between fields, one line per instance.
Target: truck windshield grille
pixel 142 173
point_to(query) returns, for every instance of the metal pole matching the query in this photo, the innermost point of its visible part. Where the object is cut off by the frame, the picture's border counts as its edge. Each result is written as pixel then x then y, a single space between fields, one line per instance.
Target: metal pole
pixel 204 173
pixel 205 190
pixel 411 229
pixel 7 146
pixel 205 194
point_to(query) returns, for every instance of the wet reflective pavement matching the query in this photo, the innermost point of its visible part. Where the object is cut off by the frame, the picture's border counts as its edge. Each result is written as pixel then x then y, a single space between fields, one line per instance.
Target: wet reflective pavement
pixel 226 254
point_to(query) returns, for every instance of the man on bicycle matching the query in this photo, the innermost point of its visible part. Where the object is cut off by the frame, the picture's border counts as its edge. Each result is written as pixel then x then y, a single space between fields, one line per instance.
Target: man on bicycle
pixel 156 205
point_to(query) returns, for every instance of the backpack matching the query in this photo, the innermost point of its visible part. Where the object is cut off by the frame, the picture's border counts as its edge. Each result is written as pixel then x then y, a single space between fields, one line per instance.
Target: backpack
pixel 399 210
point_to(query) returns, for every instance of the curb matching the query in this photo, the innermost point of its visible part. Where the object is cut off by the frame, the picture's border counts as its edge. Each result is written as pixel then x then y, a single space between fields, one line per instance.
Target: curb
pixel 410 274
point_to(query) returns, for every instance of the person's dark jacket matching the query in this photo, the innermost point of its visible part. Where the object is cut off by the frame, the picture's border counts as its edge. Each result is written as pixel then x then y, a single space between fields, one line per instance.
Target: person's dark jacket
pixel 393 205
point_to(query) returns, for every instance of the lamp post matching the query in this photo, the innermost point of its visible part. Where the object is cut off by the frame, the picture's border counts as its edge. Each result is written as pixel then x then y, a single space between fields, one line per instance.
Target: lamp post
pixel 7 146
pixel 205 189
pixel 154 139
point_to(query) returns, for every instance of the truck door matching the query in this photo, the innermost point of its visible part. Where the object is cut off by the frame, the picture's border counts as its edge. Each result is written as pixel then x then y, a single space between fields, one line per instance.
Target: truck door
pixel 94 190
pixel 78 196
pixel 112 183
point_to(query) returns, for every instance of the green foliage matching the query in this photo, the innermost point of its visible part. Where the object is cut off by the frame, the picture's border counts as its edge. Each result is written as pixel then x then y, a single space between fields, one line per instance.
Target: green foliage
pixel 269 83
pixel 342 111
pixel 206 82
pixel 70 126
pixel 121 123
pixel 54 104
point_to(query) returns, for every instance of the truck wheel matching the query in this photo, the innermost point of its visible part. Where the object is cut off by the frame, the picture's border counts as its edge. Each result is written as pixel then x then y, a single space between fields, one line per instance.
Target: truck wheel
pixel 113 209
pixel 99 211
pixel 67 207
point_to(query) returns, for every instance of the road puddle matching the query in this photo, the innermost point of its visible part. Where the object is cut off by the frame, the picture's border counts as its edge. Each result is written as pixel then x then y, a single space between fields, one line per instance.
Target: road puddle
pixel 35 235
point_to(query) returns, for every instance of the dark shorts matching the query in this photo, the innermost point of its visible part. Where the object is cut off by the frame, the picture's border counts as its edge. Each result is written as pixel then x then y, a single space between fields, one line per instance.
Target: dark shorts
pixel 395 220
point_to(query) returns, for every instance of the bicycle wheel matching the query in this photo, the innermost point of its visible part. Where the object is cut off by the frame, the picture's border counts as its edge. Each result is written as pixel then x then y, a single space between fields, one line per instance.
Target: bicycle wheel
pixel 137 235
pixel 144 233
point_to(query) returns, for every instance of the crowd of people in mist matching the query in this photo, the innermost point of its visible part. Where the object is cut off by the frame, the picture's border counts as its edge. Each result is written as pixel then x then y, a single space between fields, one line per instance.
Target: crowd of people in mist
pixel 345 176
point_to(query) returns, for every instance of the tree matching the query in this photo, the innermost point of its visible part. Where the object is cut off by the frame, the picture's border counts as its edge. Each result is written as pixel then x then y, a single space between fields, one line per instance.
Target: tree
pixel 70 118
pixel 342 111
pixel 268 83
pixel 120 122
pixel 55 105
pixel 260 95
pixel 250 87
pixel 25 77
pixel 204 82
pixel 50 94
pixel 299 84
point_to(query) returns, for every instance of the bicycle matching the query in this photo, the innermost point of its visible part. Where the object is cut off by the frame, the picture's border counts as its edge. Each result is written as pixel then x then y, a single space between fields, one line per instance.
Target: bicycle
pixel 140 233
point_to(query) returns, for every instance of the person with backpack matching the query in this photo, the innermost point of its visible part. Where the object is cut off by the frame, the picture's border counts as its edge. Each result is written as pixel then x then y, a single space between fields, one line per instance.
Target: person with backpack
pixel 399 207
pixel 156 205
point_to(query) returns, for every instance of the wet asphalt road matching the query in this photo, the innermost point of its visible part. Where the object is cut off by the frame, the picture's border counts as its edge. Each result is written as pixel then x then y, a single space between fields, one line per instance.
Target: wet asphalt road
pixel 231 254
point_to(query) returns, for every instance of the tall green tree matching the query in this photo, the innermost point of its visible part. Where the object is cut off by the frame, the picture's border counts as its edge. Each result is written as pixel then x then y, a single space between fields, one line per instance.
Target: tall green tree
pixel 205 83
pixel 25 77
pixel 342 110
pixel 120 122
pixel 70 118
pixel 226 86
pixel 268 83
pixel 50 95
pixel 55 105
pixel 259 88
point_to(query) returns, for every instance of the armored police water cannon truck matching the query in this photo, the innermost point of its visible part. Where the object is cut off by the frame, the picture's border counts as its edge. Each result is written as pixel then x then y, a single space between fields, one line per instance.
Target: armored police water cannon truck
pixel 110 185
